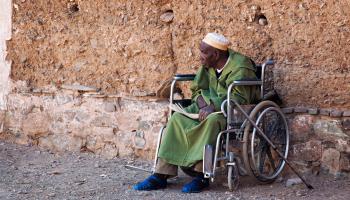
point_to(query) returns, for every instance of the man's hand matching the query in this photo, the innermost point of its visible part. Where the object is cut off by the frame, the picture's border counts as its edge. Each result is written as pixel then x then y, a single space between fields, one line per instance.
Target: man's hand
pixel 201 102
pixel 204 112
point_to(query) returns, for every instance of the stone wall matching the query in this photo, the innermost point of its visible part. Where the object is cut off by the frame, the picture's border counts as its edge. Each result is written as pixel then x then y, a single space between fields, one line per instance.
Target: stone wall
pixel 69 120
pixel 93 75
pixel 320 142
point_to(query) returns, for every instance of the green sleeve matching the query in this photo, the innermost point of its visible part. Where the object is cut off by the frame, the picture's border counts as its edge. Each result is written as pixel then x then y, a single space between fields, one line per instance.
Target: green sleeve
pixel 200 82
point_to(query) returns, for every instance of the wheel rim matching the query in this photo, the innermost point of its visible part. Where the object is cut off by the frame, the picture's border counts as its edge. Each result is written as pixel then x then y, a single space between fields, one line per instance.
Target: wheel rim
pixel 263 159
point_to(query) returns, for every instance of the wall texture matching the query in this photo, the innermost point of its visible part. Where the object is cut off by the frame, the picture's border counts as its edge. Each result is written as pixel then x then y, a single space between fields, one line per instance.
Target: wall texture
pixel 91 75
pixel 133 47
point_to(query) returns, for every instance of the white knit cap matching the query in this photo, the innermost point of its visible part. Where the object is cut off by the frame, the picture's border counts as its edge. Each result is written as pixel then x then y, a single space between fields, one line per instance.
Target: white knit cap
pixel 216 40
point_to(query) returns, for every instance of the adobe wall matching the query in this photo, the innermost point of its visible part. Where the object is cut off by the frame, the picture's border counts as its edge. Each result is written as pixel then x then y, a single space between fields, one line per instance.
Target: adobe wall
pixel 80 67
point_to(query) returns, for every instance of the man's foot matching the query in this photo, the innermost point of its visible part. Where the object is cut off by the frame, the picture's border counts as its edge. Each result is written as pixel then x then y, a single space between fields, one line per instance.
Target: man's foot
pixel 151 183
pixel 196 185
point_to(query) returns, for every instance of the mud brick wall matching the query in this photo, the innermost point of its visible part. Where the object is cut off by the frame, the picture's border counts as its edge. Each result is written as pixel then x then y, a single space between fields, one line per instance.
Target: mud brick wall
pixel 93 75
pixel 133 47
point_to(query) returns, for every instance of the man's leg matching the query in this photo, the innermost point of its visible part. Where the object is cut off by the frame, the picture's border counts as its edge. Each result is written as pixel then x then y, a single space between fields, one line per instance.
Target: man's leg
pixel 198 183
pixel 158 180
pixel 165 168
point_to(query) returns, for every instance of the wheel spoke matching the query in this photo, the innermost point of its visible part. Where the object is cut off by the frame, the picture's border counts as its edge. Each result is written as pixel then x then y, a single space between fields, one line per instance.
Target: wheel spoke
pixel 272 162
pixel 262 159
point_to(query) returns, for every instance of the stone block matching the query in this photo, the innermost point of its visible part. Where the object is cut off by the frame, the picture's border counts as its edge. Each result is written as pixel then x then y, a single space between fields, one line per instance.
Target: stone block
pixel 82 116
pixel 324 112
pixel 62 99
pixel 106 134
pixel 103 121
pixel 313 111
pixel 288 110
pixel 331 160
pixel 45 143
pixel 293 181
pixel 344 162
pixel 328 144
pixel 59 143
pixel 335 113
pixel 109 107
pixel 343 145
pixel 346 124
pixel 346 113
pixel 329 129
pixel 69 115
pixel 80 88
pixel 300 110
pixel 110 151
pixel 37 124
pixel 139 140
pixel 309 151
pixel 144 125
pixel 301 127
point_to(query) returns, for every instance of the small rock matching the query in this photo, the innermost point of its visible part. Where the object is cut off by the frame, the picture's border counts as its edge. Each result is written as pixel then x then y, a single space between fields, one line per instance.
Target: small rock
pixel 80 182
pixel 335 113
pixel 293 181
pixel 167 16
pixel 279 179
pixel 56 172
pixel 93 43
pixel 96 165
pixel 313 111
pixel 80 88
pixel 51 195
pixel 300 110
pixel 301 193
pixel 324 112
pixel 263 21
pixel 287 110
pixel 23 59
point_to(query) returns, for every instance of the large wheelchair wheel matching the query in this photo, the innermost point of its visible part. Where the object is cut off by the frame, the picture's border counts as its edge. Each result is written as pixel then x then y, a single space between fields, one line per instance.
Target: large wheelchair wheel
pixel 260 159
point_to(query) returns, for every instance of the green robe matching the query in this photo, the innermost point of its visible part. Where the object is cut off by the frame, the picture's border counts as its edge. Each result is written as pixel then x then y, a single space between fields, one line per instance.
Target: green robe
pixel 184 138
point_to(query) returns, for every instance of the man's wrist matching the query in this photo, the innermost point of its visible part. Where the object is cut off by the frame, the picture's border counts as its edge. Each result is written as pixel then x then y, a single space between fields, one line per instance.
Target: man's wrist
pixel 212 107
pixel 201 102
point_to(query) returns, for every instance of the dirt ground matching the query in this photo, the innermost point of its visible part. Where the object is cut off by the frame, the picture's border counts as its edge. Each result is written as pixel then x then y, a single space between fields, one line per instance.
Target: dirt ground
pixel 32 173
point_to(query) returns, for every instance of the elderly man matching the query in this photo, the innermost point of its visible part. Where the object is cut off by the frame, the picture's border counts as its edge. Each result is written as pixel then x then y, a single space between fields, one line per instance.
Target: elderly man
pixel 184 139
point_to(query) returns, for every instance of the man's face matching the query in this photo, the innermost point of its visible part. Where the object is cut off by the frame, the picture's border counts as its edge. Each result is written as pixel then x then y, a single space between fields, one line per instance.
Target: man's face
pixel 207 55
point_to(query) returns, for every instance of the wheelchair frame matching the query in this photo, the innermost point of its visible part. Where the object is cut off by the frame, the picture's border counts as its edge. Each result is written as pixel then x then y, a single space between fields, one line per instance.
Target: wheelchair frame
pixel 233 162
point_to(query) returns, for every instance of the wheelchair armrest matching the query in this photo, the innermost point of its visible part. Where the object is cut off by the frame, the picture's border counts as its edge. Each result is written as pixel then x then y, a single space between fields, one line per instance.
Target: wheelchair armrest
pixel 247 82
pixel 184 77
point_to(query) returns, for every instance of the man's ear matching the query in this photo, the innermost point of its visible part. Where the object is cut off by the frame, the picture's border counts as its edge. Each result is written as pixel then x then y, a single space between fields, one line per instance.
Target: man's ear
pixel 216 55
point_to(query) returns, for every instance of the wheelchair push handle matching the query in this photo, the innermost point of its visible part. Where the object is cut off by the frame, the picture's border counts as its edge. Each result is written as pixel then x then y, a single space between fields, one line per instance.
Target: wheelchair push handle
pixel 184 77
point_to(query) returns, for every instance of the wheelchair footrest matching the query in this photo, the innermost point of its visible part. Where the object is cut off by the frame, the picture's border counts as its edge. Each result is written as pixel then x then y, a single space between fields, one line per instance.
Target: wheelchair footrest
pixel 208 161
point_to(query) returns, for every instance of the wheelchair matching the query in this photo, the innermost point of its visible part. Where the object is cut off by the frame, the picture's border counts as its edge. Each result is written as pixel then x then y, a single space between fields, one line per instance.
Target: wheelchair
pixel 256 131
